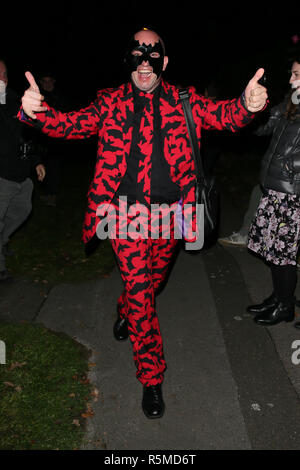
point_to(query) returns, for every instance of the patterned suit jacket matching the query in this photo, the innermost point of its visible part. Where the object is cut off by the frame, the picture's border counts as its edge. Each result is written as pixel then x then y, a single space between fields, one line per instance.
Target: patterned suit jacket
pixel 110 116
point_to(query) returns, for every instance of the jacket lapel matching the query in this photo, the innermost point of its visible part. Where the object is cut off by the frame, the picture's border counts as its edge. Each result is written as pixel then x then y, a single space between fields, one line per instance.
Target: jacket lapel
pixel 177 148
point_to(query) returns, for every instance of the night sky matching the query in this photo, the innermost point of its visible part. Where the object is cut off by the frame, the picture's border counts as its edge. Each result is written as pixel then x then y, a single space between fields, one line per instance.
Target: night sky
pixel 83 44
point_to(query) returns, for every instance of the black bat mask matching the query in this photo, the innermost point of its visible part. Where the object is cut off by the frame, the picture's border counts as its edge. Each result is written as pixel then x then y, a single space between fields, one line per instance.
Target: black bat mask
pixel 133 61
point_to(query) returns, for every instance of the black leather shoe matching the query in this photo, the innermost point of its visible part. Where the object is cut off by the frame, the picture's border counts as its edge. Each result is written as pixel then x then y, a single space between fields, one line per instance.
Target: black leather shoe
pixel 281 312
pixel 153 404
pixel 267 305
pixel 120 329
pixel 297 324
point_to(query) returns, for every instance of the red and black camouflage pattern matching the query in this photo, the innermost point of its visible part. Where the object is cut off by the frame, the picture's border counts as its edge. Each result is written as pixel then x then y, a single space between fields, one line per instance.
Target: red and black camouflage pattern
pixel 143 261
pixel 110 116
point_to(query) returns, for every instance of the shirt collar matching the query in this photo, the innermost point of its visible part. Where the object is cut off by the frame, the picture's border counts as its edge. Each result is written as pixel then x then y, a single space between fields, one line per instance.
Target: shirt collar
pixel 139 93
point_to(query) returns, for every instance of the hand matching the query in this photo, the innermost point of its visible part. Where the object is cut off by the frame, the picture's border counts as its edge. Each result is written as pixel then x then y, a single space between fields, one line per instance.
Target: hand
pixel 32 99
pixel 41 172
pixel 255 94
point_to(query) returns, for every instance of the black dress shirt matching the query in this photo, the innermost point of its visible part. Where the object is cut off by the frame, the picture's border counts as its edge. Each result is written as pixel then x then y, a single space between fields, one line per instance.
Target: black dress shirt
pixel 162 188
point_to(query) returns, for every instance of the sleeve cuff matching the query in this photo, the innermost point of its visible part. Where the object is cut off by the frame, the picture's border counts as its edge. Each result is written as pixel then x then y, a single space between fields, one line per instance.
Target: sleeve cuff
pixel 23 117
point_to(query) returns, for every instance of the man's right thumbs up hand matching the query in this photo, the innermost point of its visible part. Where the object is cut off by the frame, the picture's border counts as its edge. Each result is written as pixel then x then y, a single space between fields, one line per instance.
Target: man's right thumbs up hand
pixel 32 99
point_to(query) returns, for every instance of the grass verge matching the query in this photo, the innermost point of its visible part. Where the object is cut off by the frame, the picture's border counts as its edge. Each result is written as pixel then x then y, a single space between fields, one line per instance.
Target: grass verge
pixel 44 389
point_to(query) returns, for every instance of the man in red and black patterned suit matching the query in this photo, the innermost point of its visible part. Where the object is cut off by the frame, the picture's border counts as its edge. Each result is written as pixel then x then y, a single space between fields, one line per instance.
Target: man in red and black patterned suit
pixel 144 154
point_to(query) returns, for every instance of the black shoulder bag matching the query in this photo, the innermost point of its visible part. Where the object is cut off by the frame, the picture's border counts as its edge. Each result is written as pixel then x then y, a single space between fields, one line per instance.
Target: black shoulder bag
pixel 206 189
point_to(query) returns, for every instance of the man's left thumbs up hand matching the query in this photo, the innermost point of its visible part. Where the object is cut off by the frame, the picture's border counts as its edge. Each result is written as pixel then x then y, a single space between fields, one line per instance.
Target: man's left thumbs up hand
pixel 255 94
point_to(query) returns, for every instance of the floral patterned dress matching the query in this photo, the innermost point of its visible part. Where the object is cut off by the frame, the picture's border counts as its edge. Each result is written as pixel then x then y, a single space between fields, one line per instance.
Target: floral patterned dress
pixel 275 230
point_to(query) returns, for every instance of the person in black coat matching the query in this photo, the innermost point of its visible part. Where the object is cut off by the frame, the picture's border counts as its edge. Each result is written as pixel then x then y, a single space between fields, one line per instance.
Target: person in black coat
pixel 16 161
pixel 275 230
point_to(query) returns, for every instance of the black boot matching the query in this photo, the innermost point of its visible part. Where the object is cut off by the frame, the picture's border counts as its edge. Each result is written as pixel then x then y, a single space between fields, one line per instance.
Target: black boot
pixel 281 312
pixel 267 305
pixel 120 329
pixel 153 404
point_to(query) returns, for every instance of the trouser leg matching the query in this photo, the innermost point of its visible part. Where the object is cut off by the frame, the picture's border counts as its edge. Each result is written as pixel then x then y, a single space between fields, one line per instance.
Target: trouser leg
pixel 141 272
pixel 8 190
pixel 4 202
pixel 18 210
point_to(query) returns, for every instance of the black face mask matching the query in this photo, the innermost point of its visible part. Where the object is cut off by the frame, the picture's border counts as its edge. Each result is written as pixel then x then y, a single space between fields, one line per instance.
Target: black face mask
pixel 133 61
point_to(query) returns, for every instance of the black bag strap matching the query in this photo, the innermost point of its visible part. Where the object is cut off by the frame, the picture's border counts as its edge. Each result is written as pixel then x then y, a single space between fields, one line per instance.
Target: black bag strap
pixel 184 96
